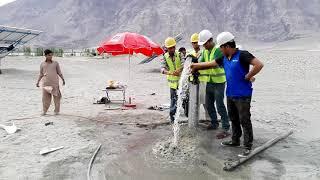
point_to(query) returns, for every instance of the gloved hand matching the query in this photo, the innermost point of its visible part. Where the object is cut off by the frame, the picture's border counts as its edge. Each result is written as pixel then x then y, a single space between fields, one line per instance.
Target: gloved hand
pixel 190 55
pixel 194 59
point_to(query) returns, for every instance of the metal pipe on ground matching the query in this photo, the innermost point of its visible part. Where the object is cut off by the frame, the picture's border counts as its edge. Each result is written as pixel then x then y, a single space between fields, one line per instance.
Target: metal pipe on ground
pixel 91 162
pixel 229 166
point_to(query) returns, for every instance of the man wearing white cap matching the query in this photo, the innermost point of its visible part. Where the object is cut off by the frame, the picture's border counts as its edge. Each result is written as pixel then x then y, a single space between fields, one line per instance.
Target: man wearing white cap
pixel 236 64
pixel 215 79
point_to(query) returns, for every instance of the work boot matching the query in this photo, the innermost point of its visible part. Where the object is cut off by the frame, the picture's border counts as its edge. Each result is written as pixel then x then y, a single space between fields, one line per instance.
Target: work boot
pixel 245 154
pixel 213 127
pixel 172 120
pixel 223 134
pixel 230 144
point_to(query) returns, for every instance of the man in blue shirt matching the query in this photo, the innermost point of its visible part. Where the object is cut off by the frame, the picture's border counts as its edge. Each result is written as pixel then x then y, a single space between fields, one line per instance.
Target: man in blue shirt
pixel 236 64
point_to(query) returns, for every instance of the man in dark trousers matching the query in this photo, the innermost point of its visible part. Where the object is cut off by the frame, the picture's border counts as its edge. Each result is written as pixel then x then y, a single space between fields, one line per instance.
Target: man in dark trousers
pixel 215 80
pixel 236 64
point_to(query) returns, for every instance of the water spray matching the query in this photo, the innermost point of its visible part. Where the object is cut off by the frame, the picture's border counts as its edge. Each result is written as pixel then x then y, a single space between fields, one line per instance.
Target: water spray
pixel 193 117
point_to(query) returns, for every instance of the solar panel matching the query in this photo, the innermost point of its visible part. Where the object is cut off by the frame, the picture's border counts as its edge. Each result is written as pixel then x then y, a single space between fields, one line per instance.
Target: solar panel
pixel 12 37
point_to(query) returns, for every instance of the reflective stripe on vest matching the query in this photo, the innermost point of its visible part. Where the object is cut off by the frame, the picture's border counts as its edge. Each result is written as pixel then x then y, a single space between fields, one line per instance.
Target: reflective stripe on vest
pixel 173 81
pixel 196 54
pixel 215 75
pixel 203 74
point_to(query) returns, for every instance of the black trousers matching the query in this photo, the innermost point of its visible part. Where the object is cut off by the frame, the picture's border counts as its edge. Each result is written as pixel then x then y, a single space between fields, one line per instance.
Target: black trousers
pixel 185 104
pixel 239 114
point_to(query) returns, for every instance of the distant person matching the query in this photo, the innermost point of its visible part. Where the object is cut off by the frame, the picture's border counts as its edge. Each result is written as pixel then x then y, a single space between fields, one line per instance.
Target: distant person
pixel 49 74
pixel 236 64
pixel 172 66
pixel 183 51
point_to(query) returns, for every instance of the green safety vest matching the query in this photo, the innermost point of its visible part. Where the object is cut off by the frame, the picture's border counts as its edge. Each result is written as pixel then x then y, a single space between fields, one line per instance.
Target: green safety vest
pixel 173 81
pixel 203 74
pixel 195 54
pixel 214 75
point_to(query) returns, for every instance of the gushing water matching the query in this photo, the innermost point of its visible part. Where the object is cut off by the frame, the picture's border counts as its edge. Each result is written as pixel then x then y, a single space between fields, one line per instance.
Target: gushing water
pixel 182 93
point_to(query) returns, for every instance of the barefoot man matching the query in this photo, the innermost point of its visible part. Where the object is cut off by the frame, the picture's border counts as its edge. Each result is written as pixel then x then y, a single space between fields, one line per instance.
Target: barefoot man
pixel 49 73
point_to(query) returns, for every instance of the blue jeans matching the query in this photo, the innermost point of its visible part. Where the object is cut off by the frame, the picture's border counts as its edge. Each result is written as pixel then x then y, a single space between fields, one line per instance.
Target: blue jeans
pixel 173 103
pixel 215 94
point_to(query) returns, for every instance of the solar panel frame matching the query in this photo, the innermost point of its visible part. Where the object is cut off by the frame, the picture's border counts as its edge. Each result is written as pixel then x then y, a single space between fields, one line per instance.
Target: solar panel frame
pixel 11 37
pixel 16 36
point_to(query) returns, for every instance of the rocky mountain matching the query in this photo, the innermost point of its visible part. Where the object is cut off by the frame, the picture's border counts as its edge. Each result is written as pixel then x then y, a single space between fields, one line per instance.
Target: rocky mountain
pixel 85 23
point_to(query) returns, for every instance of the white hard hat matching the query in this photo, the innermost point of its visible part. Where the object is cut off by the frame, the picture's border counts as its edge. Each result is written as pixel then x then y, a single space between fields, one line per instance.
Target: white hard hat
pixel 204 36
pixel 224 37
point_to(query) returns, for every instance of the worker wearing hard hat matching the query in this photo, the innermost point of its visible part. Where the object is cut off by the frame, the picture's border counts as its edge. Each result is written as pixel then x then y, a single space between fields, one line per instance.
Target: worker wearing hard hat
pixel 196 53
pixel 236 64
pixel 194 39
pixel 172 66
pixel 215 79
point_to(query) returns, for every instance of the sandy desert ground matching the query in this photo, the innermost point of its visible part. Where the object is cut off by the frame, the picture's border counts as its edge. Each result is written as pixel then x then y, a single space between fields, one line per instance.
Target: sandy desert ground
pixel 286 96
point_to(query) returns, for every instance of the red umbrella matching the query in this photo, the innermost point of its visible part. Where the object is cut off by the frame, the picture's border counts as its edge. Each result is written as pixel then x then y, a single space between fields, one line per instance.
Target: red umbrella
pixel 129 43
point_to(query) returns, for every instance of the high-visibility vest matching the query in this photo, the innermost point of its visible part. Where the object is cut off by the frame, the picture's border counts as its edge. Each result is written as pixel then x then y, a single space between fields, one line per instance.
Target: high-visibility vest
pixel 204 74
pixel 173 81
pixel 214 75
pixel 195 54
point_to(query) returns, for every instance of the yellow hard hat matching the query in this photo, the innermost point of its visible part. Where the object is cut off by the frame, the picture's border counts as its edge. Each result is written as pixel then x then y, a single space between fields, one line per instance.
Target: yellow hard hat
pixel 194 38
pixel 170 42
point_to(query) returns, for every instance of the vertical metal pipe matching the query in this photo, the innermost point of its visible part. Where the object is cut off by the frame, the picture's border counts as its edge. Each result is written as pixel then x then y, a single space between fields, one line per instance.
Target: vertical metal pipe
pixel 193 118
